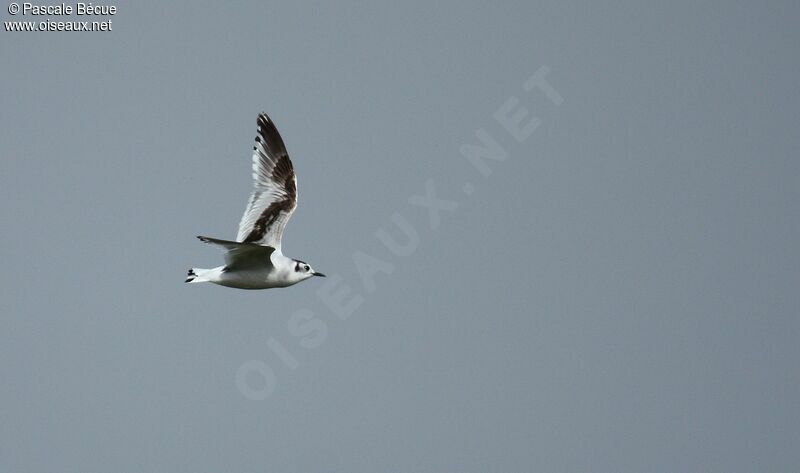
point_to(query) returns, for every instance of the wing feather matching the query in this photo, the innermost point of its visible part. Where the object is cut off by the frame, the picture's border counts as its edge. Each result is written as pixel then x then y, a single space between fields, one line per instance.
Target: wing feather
pixel 239 256
pixel 275 195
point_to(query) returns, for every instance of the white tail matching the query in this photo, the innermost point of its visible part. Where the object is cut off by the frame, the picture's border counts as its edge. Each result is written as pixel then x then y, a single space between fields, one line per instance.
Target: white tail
pixel 199 275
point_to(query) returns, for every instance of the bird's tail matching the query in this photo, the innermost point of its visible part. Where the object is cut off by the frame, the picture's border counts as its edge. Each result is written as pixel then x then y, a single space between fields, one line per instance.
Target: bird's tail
pixel 198 275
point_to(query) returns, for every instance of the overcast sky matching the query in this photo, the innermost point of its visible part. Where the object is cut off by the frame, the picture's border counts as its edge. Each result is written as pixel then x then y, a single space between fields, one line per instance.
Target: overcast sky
pixel 560 237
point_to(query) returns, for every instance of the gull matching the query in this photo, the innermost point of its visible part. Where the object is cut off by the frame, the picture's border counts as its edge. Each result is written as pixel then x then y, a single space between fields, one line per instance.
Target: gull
pixel 255 259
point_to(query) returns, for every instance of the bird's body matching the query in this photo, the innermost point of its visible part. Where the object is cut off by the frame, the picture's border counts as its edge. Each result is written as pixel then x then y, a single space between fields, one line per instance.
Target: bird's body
pixel 255 260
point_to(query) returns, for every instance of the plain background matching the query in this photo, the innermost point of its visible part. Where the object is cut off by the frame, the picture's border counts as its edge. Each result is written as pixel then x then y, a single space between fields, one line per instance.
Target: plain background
pixel 620 295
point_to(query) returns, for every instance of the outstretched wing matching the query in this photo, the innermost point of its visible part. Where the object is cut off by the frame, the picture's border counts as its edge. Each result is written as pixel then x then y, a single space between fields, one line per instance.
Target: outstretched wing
pixel 275 195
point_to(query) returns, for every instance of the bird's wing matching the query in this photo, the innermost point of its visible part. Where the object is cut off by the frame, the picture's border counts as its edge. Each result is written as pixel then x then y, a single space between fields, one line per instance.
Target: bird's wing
pixel 275 195
pixel 242 255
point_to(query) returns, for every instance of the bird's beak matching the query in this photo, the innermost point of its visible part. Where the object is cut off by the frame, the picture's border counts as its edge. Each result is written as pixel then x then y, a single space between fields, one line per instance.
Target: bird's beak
pixel 320 275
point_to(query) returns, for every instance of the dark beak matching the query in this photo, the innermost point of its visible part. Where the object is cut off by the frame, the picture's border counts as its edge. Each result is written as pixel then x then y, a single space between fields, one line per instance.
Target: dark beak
pixel 320 275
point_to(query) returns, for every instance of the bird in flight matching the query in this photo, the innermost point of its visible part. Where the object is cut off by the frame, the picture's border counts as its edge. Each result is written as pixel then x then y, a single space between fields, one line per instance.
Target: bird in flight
pixel 255 260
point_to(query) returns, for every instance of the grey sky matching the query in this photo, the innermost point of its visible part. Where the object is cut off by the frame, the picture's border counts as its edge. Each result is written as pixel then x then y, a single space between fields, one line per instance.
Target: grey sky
pixel 619 295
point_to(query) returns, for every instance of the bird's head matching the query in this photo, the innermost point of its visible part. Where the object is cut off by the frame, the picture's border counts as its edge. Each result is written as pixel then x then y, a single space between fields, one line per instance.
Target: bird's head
pixel 303 271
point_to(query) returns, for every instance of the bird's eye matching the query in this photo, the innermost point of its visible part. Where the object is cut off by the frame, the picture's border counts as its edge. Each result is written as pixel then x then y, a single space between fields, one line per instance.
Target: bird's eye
pixel 307 268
